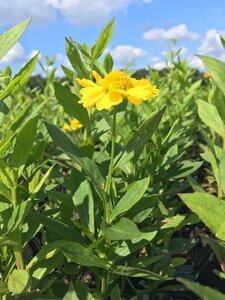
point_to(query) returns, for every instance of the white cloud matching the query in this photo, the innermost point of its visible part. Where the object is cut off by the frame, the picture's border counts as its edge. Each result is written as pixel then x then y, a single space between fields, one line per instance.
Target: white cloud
pixel 17 55
pixel 14 11
pixel 195 63
pixel 34 52
pixel 124 54
pixel 154 59
pixel 183 51
pixel 162 65
pixel 178 32
pixel 79 12
pixel 211 44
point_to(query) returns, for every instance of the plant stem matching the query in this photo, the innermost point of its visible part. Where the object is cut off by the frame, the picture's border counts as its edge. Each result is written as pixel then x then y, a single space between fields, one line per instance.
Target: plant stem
pixel 110 172
pixel 18 251
pixel 107 201
pixel 104 285
pixel 14 197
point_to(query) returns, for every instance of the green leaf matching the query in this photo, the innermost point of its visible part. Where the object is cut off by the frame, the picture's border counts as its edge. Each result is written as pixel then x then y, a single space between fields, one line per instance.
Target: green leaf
pixel 216 69
pixel 71 293
pixel 115 293
pixel 137 142
pixel 205 292
pixel 20 79
pixel 9 38
pixel 217 247
pixel 210 209
pixel 133 195
pixel 61 229
pixel 25 137
pixel 84 204
pixel 4 190
pixel 218 99
pixel 17 217
pixel 46 267
pixel 143 262
pixel 5 241
pixel 186 168
pixel 19 281
pixel 42 181
pixel 103 40
pixel 69 101
pixel 46 252
pixel 5 143
pixel 108 63
pixel 8 175
pixel 3 288
pixel 222 41
pixel 83 291
pixel 81 255
pixel 222 171
pixel 69 73
pixel 210 116
pixel 195 185
pixel 76 59
pixel 125 229
pixel 136 272
pixel 88 166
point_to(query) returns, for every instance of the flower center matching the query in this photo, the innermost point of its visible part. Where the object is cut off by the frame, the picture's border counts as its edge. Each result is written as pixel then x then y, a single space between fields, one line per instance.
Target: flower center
pixel 123 83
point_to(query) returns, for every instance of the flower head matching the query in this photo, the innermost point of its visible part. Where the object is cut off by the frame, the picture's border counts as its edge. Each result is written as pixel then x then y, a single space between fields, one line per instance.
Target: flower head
pixel 206 75
pixel 74 125
pixel 113 88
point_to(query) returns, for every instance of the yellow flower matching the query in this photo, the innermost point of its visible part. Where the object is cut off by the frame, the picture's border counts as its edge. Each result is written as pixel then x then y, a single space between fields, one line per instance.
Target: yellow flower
pixel 206 75
pixel 113 88
pixel 74 125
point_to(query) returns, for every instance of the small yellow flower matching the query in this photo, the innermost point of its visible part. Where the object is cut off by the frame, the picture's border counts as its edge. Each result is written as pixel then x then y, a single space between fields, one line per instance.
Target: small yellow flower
pixel 206 75
pixel 113 88
pixel 74 125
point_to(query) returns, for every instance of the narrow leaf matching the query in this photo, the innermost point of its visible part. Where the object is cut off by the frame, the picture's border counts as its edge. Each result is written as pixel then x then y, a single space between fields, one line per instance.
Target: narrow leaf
pixel 137 142
pixel 88 166
pixel 24 143
pixel 81 255
pixel 210 116
pixel 20 79
pixel 9 38
pixel 103 40
pixel 216 69
pixel 205 292
pixel 69 101
pixel 132 196
pixel 210 209
pixel 84 204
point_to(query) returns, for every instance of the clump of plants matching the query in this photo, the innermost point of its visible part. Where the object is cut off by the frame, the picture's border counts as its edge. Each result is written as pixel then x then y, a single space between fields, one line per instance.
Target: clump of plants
pixel 90 171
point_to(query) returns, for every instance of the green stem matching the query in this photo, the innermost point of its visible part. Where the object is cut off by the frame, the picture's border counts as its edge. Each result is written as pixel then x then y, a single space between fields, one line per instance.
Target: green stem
pixel 110 172
pixel 18 251
pixel 14 197
pixel 104 285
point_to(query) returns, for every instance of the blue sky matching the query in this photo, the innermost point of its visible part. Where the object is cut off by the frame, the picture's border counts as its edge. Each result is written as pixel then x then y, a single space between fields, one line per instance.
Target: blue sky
pixel 143 29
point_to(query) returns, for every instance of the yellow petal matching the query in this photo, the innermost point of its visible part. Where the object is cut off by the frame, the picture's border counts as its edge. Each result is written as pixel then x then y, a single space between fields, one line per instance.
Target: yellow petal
pixel 85 82
pixel 91 96
pixel 104 103
pixel 134 100
pixel 75 124
pixel 66 127
pixel 97 77
pixel 115 97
